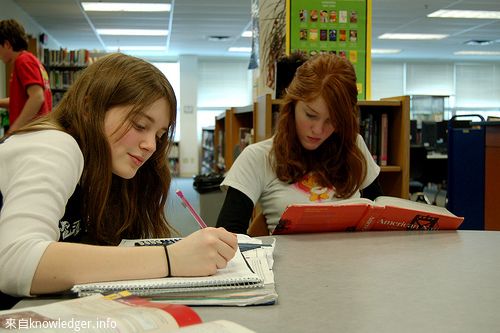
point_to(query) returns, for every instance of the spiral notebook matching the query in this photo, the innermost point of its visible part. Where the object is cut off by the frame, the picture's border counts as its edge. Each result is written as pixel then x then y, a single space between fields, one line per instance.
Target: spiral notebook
pixel 236 275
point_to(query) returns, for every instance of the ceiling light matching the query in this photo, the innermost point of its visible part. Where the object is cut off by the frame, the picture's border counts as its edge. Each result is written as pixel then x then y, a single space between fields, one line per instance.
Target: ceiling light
pixel 412 36
pixel 132 32
pixel 135 48
pixel 385 51
pixel 125 7
pixel 219 38
pixel 240 49
pixel 247 33
pixel 471 14
pixel 483 53
pixel 478 42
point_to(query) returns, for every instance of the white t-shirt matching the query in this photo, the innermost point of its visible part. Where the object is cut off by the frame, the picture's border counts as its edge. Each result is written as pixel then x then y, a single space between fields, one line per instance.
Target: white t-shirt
pixel 38 174
pixel 253 175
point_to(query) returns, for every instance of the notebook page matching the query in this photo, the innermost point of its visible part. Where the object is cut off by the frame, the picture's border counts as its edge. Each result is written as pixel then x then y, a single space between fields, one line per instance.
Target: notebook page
pixel 237 274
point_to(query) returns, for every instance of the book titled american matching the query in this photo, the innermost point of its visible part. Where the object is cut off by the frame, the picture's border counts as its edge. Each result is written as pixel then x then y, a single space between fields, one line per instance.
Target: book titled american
pixel 360 214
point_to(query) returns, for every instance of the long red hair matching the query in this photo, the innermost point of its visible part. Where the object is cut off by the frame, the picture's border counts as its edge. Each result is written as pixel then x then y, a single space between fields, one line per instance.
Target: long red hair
pixel 338 162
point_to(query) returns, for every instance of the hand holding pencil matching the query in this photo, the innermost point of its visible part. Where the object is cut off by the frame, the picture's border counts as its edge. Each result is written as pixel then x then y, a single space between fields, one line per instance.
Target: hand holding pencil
pixel 204 251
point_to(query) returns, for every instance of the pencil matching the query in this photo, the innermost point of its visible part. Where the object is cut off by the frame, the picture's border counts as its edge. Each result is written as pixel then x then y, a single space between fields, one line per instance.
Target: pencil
pixel 190 208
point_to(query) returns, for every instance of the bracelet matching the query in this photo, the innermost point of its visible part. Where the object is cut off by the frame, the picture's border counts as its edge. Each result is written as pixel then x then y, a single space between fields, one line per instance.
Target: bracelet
pixel 168 261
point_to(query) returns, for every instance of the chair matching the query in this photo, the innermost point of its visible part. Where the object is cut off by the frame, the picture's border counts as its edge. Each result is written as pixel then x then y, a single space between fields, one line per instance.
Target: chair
pixel 258 226
pixel 418 159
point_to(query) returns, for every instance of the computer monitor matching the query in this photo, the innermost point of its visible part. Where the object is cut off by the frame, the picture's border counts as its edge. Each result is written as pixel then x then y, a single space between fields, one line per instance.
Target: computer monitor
pixel 413 132
pixel 442 136
pixel 429 134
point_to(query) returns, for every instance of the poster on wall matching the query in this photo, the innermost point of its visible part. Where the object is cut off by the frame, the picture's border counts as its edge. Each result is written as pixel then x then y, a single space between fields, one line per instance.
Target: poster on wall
pixel 331 26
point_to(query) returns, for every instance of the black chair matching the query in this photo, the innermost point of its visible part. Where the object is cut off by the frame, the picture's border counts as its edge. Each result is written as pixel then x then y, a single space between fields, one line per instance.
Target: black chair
pixel 418 160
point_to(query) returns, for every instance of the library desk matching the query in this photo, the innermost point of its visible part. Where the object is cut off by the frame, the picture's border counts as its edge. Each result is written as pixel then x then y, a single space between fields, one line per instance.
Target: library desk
pixel 444 281
pixel 380 282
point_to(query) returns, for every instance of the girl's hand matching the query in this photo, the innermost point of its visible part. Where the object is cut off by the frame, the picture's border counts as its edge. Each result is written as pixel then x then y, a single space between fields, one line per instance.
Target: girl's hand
pixel 202 252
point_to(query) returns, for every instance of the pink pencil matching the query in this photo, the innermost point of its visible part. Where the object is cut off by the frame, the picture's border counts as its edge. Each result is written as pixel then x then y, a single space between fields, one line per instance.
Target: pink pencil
pixel 190 208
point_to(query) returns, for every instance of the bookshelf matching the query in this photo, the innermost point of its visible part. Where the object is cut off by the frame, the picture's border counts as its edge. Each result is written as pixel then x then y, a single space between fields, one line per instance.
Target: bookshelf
pixel 241 129
pixel 231 127
pixel 266 115
pixel 221 124
pixel 207 150
pixel 394 177
pixel 174 159
pixel 63 67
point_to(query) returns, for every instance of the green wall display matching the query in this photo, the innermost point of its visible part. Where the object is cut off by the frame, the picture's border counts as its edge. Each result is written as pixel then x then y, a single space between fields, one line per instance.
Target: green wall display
pixel 328 26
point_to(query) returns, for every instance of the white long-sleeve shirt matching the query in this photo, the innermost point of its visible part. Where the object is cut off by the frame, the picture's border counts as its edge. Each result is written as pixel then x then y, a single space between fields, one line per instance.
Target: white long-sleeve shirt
pixel 38 174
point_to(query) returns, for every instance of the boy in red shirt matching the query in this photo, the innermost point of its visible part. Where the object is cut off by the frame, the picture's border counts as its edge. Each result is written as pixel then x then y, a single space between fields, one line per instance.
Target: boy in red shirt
pixel 30 95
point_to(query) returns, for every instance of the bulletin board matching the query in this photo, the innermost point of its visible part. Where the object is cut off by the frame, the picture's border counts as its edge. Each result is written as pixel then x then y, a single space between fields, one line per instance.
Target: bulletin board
pixel 341 27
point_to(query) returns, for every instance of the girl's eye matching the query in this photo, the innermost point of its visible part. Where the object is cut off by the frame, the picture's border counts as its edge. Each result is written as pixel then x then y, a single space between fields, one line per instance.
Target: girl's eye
pixel 139 126
pixel 310 115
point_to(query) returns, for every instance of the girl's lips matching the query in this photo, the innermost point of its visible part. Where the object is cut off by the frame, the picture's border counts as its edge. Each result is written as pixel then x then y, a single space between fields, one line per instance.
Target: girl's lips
pixel 136 159
pixel 313 139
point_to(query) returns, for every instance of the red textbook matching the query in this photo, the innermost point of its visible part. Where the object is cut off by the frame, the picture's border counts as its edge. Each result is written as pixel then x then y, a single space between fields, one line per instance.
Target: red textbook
pixel 382 214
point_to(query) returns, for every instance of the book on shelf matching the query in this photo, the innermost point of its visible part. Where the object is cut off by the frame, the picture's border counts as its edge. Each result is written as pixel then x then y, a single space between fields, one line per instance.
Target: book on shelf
pixel 360 214
pixel 384 133
pixel 119 312
pixel 374 128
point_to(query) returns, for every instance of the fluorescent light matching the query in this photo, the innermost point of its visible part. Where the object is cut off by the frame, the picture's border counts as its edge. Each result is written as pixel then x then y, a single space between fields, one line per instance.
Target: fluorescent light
pixel 483 53
pixel 385 51
pixel 132 32
pixel 240 49
pixel 125 7
pixel 135 48
pixel 247 33
pixel 470 14
pixel 412 36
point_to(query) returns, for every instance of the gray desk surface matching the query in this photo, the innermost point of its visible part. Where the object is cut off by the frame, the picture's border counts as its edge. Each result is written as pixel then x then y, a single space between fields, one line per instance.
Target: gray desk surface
pixel 379 282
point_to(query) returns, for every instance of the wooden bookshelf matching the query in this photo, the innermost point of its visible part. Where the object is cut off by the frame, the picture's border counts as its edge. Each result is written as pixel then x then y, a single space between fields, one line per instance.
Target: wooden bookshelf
pixel 174 159
pixel 207 164
pixel 266 113
pixel 221 124
pixel 227 142
pixel 395 176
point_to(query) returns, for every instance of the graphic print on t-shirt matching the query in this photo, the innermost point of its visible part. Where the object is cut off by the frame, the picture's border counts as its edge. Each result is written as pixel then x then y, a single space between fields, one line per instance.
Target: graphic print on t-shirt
pixel 314 191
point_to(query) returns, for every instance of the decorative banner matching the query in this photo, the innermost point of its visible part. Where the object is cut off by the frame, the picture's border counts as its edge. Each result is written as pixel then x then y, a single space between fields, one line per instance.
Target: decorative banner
pixel 331 26
pixel 254 55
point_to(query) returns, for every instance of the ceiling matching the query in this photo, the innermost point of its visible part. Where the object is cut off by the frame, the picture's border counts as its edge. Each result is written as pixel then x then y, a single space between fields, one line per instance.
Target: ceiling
pixel 193 22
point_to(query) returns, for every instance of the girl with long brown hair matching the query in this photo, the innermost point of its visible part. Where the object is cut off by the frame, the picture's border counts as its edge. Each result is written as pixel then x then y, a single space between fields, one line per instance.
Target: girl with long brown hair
pixel 316 154
pixel 92 172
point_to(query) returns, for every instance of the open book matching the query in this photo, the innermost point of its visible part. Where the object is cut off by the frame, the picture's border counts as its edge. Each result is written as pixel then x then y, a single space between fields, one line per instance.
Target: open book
pixel 113 313
pixel 360 214
pixel 236 275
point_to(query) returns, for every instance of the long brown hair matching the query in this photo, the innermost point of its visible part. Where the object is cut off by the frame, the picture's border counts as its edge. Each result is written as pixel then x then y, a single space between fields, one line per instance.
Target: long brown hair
pixel 116 208
pixel 338 162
